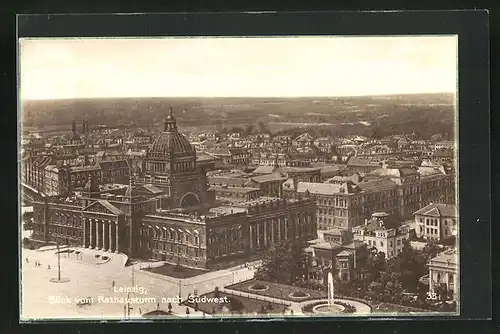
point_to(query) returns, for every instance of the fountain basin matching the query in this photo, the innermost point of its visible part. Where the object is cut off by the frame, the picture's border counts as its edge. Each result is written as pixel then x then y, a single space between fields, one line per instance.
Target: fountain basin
pixel 328 308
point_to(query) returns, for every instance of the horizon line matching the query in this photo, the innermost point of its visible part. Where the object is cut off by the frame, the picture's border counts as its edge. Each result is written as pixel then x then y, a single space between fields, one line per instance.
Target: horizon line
pixel 231 97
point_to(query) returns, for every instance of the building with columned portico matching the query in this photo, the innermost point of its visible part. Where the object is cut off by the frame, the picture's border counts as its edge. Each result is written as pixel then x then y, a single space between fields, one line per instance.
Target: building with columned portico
pixel 169 212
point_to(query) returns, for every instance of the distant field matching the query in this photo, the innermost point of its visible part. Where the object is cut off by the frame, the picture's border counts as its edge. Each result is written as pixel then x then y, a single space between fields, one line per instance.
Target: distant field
pixel 426 113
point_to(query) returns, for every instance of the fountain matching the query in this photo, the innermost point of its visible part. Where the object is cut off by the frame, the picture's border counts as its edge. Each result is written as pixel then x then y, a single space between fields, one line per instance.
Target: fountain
pixel 329 307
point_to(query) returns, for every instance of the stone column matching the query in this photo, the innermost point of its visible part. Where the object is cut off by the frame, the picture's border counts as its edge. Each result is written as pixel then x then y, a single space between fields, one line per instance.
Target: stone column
pixel 91 234
pixel 251 236
pixel 258 235
pixel 104 236
pixel 110 237
pixel 279 229
pixel 286 228
pixel 272 230
pixel 265 233
pixel 117 245
pixel 99 234
pixel 84 225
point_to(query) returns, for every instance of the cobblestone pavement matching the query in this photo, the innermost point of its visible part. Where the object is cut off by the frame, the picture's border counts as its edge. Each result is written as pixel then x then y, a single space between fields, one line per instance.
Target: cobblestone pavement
pixel 43 299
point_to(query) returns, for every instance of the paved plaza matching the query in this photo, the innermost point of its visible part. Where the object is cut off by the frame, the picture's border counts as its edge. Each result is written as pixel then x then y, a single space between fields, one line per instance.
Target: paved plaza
pixel 42 298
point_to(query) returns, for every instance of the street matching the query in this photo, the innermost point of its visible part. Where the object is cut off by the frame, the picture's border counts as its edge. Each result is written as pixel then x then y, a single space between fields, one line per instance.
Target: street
pixel 44 299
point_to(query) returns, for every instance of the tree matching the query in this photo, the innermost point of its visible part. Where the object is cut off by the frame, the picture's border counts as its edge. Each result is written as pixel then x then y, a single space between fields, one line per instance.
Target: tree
pixel 283 263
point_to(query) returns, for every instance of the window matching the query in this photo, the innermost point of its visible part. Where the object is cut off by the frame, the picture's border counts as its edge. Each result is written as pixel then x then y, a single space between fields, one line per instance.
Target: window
pixel 381 244
pixel 427 231
pixel 398 242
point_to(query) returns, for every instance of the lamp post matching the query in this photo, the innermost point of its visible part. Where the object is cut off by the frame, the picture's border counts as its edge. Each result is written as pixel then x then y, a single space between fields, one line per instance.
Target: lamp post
pixel 58 263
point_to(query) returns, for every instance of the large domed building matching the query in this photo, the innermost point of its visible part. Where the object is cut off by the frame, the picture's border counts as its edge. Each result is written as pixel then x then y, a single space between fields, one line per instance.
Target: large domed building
pixel 171 166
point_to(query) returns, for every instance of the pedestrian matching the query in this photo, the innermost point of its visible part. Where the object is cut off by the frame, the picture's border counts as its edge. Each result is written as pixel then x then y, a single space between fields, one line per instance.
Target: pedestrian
pixel 48 266
pixel 113 284
pixel 27 261
pixel 140 311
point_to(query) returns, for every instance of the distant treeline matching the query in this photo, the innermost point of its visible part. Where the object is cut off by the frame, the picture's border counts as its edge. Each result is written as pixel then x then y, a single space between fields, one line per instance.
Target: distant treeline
pixel 425 114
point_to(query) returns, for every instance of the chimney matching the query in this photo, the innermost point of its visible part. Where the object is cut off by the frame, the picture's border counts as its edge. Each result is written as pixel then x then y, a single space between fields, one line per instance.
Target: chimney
pixel 73 128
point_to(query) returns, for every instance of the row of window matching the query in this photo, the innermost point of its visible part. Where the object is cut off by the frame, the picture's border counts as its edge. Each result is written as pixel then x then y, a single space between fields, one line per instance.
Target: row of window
pixel 340 213
pixel 65 231
pixel 431 231
pixel 170 235
pixel 173 249
pixel 391 243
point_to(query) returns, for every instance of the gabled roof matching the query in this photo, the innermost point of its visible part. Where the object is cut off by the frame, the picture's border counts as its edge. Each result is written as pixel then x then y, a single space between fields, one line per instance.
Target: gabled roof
pixel 108 206
pixel 344 253
pixel 438 210
pixel 203 156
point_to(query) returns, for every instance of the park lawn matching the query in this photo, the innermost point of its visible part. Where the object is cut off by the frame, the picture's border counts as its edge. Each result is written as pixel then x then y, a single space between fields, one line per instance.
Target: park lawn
pixel 275 292
pixel 250 306
pixel 175 271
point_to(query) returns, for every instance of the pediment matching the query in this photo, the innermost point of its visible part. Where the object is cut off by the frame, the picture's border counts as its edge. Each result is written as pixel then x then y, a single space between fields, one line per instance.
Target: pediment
pixel 103 206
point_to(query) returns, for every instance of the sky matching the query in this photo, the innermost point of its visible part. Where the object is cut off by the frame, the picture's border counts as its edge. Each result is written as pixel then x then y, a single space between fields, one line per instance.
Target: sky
pixel 236 67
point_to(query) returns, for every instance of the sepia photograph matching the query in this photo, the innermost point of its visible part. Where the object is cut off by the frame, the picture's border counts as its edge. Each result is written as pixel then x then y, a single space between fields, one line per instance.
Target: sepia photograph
pixel 238 177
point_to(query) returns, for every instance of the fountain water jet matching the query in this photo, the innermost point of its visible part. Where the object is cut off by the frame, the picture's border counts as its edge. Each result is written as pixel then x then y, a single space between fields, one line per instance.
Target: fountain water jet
pixel 330 289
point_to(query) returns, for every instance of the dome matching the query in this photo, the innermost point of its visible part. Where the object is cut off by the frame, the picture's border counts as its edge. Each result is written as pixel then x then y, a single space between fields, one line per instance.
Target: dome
pixel 170 141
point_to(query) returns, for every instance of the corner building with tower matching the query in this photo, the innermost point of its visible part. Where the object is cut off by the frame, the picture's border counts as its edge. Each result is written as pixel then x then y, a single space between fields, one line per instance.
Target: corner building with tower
pixel 169 212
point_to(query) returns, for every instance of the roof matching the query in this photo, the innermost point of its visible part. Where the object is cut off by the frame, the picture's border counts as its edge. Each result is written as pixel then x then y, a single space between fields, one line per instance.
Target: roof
pixel 264 170
pixel 298 169
pixel 84 168
pixel 355 244
pixel 443 152
pixel 446 257
pixel 438 210
pixel 108 206
pixel 318 188
pixel 230 181
pixel 239 190
pixel 394 172
pixel 344 253
pixel 221 152
pixel 333 231
pixel 374 184
pixel 332 169
pixel 170 141
pixel 326 245
pixel 358 162
pixel 203 156
pixel 113 164
pixel 269 178
pixel 151 188
pixel 427 171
